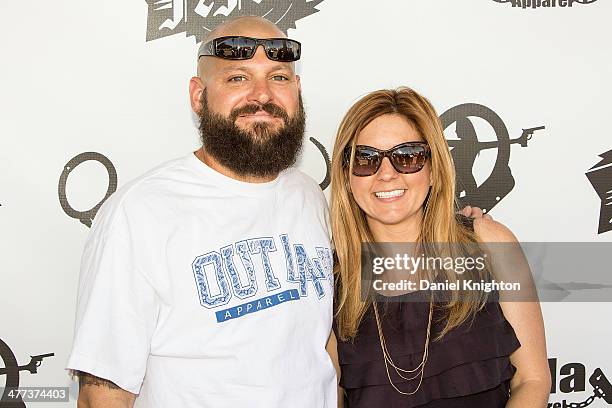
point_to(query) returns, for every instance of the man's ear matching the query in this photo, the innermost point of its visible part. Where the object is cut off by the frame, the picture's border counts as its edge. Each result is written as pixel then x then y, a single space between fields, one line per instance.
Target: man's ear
pixel 196 87
pixel 299 83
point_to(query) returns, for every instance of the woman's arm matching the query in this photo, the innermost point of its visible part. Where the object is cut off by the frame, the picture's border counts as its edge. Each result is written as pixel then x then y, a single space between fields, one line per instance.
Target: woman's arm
pixel 530 385
pixel 332 350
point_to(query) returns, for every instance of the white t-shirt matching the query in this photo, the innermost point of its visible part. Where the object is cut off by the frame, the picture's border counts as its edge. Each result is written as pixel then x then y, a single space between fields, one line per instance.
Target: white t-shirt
pixel 198 290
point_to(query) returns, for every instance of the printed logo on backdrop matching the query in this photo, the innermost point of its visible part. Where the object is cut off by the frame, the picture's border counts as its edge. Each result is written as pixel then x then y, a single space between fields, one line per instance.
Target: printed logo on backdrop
pixel 199 17
pixel 571 378
pixel 533 4
pixel 86 217
pixel 600 176
pixel 466 150
pixel 12 370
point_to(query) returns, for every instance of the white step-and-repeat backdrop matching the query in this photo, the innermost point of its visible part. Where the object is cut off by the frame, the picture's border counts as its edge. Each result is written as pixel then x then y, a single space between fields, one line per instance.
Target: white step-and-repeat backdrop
pixel 92 94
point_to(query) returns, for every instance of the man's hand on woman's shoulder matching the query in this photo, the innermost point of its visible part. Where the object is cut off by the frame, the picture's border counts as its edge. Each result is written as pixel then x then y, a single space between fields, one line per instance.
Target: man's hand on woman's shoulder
pixel 474 212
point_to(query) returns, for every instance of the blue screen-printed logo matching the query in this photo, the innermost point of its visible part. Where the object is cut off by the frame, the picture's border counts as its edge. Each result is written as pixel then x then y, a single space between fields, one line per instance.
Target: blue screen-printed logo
pixel 257 305
pixel 244 268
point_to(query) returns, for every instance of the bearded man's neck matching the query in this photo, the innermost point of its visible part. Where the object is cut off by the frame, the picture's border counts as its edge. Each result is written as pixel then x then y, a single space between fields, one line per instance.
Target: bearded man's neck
pixel 214 164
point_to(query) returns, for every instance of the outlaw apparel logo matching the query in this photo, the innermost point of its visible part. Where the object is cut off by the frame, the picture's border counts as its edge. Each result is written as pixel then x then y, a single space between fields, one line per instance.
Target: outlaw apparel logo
pixel 544 3
pixel 466 150
pixel 199 17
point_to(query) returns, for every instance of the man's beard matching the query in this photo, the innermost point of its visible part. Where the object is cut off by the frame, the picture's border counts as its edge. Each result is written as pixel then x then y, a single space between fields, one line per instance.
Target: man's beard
pixel 262 151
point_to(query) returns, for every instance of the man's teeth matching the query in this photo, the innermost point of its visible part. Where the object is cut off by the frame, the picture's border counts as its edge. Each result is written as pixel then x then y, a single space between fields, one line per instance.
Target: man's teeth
pixel 390 194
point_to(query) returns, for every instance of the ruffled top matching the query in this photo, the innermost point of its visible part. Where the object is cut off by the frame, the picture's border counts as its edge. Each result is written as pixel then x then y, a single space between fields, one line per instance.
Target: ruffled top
pixel 468 367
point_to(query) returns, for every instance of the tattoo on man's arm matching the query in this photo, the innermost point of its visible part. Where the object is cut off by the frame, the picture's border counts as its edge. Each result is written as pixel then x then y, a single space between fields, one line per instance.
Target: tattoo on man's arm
pixel 88 379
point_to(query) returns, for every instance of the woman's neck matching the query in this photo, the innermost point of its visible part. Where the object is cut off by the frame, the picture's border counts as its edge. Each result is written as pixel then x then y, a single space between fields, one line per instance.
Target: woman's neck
pixel 406 231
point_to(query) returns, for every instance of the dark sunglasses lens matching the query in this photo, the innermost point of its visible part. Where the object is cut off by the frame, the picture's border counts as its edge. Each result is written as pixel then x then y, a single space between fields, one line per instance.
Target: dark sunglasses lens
pixel 283 50
pixel 409 159
pixel 366 162
pixel 236 48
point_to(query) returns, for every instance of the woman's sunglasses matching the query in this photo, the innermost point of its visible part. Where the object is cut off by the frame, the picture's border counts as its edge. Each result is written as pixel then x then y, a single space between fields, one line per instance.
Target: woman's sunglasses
pixel 405 158
pixel 240 48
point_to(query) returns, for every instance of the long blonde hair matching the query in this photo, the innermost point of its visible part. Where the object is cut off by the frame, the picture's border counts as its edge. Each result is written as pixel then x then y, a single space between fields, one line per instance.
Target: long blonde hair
pixel 349 225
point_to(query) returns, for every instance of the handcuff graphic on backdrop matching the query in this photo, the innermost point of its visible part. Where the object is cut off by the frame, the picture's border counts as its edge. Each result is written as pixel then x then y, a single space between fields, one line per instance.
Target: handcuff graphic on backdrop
pixel 601 389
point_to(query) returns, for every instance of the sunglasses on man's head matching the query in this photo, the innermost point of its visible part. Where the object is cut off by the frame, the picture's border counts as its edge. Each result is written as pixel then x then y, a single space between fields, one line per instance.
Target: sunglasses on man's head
pixel 406 158
pixel 240 48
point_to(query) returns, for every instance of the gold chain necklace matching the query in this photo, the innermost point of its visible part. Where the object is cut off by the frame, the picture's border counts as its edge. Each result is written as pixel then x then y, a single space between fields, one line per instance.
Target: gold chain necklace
pixel 388 360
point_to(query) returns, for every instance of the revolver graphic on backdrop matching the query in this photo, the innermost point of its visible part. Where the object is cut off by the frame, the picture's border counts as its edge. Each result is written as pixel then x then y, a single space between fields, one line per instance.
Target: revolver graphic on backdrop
pixel 527 135
pixel 469 141
pixel 35 362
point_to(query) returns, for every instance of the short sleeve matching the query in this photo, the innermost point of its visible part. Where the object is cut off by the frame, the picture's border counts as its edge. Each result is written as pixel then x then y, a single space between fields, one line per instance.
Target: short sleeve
pixel 117 307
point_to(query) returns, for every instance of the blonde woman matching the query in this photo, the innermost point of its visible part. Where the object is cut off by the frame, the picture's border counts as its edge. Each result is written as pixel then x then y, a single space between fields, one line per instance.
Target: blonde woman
pixel 393 181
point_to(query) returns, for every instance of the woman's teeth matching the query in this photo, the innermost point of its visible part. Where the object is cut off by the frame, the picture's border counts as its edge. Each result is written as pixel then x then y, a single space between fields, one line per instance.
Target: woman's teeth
pixel 390 194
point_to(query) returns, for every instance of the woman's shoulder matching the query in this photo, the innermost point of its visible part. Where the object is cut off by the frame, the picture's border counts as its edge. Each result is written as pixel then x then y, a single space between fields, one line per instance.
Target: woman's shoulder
pixel 489 230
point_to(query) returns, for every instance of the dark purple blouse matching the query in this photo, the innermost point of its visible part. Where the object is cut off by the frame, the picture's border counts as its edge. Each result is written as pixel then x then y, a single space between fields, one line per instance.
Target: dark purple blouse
pixel 469 367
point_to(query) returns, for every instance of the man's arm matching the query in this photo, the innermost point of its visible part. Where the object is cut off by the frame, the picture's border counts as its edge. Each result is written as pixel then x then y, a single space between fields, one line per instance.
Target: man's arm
pixel 96 392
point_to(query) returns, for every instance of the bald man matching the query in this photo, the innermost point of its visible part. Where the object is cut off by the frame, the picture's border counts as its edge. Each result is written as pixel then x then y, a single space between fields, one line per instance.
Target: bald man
pixel 207 282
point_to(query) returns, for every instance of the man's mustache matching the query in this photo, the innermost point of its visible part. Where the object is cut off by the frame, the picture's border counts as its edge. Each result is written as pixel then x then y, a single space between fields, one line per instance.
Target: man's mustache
pixel 269 108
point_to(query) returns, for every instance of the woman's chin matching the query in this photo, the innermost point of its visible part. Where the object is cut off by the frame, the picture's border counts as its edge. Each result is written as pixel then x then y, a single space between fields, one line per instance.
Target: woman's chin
pixel 393 219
